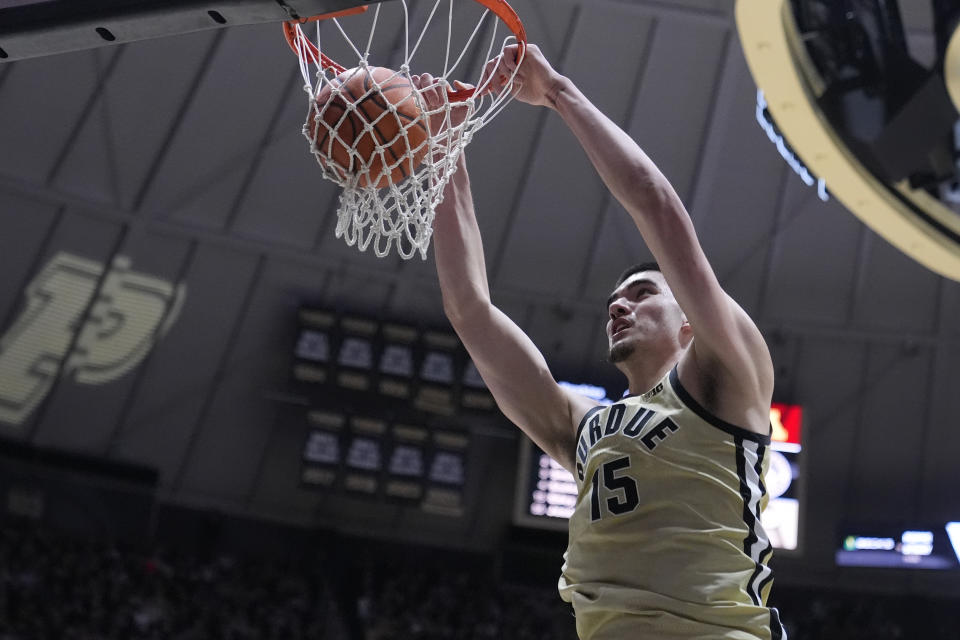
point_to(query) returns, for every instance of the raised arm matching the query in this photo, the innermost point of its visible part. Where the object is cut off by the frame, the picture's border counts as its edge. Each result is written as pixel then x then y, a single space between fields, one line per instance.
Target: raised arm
pixel 729 360
pixel 511 365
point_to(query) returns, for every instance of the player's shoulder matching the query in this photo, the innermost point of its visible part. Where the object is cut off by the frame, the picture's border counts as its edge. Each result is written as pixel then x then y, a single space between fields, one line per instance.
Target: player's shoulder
pixel 730 398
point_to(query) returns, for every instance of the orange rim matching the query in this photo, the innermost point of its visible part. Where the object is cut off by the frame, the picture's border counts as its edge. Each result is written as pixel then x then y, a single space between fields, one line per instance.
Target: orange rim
pixel 298 41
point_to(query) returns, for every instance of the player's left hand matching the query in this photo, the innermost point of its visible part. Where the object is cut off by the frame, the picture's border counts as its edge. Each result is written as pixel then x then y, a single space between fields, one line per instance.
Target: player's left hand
pixel 434 92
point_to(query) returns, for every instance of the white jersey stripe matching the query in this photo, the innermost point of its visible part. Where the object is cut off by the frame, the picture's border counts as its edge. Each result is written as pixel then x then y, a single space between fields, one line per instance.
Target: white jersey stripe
pixel 756 545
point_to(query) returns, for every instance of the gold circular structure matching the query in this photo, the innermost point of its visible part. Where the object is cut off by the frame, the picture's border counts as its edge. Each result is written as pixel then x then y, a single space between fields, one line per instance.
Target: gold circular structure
pixel 909 219
pixel 951 68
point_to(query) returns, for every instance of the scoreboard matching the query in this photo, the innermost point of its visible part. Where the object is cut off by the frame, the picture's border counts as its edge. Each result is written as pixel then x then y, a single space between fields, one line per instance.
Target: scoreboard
pixel 932 547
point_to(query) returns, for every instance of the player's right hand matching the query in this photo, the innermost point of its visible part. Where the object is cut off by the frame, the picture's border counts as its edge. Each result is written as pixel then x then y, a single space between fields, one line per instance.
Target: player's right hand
pixel 535 81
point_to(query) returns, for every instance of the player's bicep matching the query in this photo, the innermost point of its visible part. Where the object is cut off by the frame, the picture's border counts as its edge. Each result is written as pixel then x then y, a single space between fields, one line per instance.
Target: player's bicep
pixel 725 335
pixel 726 339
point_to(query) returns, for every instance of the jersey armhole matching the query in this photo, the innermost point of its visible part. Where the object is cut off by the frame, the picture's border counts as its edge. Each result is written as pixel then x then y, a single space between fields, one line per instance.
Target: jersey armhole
pixel 708 417
pixel 583 421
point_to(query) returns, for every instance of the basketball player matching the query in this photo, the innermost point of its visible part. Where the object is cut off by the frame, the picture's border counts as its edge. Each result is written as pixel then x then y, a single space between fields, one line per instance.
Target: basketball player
pixel 665 541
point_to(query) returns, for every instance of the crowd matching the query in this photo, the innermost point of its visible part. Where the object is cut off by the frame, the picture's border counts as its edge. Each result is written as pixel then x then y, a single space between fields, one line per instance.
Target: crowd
pixel 843 615
pixel 58 586
pixel 408 599
pixel 54 586
pixel 411 599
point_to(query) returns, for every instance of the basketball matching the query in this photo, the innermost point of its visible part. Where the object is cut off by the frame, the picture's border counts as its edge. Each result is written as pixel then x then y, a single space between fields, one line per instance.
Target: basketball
pixel 345 129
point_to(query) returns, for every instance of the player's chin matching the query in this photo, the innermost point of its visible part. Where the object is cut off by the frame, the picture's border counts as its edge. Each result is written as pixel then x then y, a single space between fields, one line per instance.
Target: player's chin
pixel 620 351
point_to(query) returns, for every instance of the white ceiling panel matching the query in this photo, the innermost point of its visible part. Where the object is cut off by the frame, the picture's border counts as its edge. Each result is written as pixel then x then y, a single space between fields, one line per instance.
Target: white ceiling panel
pixel 44 100
pixel 223 128
pixel 175 392
pixel 811 279
pixel 285 199
pixel 26 226
pixel 744 175
pixel 898 293
pixel 828 375
pixel 88 164
pixel 885 419
pixel 939 472
pixel 228 452
pixel 948 322
pixel 670 118
pixel 570 213
pixel 139 108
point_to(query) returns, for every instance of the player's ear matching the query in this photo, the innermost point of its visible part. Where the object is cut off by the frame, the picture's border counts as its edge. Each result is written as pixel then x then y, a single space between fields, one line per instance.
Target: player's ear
pixel 686 335
pixel 686 331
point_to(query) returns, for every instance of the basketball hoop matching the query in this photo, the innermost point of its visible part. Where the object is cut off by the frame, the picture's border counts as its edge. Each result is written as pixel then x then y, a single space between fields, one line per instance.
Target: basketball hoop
pixel 373 132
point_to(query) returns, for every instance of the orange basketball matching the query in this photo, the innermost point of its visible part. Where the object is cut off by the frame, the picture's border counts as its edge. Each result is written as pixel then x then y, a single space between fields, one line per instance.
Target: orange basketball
pixel 359 119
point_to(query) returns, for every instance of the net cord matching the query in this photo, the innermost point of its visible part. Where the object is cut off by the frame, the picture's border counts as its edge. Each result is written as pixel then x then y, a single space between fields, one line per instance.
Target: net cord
pixel 396 216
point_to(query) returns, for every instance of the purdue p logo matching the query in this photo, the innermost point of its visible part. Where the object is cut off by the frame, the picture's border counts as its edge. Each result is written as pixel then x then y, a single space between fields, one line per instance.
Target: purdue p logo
pixel 131 312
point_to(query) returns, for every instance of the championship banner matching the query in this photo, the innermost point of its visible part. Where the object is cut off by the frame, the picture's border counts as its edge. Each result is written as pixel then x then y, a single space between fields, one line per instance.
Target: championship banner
pixel 428 370
pixel 363 462
pixel 314 349
pixel 407 464
pixel 323 451
pixel 397 364
pixel 355 356
pixel 446 475
pixel 474 394
pixel 380 446
pixel 437 373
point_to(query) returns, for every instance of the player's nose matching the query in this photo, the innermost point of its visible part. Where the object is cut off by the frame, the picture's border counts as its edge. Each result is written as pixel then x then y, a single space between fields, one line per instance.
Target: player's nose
pixel 617 309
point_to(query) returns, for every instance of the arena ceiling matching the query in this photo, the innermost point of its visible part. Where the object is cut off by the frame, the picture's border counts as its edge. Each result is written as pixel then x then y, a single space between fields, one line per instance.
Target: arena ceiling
pixel 179 163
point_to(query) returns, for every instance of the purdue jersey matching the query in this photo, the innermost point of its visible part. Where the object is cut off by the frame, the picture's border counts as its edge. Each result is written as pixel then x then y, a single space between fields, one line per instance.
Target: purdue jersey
pixel 665 540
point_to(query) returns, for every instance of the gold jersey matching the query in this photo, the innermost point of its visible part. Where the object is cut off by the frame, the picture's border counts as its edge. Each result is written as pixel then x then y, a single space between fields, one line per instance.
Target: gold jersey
pixel 665 540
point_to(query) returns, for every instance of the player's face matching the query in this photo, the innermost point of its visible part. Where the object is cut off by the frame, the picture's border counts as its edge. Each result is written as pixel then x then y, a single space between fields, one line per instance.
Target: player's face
pixel 642 310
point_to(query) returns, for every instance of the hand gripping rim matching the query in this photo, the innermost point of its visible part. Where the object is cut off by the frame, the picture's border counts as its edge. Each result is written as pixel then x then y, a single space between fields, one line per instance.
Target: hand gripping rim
pixel 298 42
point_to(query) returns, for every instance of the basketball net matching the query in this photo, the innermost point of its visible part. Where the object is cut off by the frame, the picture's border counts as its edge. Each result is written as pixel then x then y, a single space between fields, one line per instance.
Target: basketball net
pixel 400 215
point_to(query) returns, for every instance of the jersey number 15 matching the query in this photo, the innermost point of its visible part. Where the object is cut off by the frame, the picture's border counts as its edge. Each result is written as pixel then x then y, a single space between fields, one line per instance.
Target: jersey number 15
pixel 621 490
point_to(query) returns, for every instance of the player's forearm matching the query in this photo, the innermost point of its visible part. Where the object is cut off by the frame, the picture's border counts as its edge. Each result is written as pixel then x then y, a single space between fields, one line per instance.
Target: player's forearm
pixel 646 194
pixel 629 174
pixel 458 250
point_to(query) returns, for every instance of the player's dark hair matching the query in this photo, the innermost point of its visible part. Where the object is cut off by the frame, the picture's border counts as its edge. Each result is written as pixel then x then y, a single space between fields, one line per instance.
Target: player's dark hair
pixel 637 268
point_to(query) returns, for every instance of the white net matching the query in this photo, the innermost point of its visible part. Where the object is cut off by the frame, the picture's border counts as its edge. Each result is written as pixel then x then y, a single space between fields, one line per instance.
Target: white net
pixel 390 138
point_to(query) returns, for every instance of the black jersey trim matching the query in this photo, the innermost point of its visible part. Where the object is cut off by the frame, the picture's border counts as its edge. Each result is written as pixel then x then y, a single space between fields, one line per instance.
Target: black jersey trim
pixel 587 416
pixel 723 425
pixel 745 494
pixel 761 452
pixel 777 631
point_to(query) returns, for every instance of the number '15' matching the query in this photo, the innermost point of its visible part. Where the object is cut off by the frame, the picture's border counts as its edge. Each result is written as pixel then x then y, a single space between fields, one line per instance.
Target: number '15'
pixel 621 489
